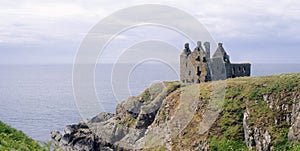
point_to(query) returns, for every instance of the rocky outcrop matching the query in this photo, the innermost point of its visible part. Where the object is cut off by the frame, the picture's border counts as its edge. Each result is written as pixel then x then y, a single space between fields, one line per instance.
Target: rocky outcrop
pixel 294 130
pixel 261 113
pixel 283 109
pixel 76 137
pixel 256 137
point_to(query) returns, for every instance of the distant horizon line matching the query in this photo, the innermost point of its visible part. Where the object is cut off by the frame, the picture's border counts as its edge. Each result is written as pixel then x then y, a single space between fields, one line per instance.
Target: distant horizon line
pixel 147 63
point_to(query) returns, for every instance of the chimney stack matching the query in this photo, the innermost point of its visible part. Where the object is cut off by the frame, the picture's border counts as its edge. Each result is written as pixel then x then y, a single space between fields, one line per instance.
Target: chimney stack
pixel 207 49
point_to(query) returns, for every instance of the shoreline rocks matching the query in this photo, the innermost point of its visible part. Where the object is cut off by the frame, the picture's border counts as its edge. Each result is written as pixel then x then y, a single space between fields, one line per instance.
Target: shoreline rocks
pixel 255 113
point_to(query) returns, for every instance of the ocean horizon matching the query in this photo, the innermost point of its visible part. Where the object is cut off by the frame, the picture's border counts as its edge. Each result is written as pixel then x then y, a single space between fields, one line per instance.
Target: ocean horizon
pixel 39 98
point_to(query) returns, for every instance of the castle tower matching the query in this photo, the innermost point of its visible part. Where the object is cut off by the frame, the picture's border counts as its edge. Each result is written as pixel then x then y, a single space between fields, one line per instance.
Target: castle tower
pixel 184 63
pixel 194 65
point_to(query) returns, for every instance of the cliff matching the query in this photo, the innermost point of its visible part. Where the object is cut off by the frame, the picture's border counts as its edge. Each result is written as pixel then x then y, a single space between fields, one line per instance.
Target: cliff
pixel 254 113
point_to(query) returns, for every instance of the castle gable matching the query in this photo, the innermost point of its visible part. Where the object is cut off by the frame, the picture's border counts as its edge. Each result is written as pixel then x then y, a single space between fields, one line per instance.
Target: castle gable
pixel 221 53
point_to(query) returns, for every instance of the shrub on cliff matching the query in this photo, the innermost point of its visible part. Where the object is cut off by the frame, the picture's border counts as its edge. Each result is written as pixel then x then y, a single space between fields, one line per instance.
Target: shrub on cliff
pixel 14 139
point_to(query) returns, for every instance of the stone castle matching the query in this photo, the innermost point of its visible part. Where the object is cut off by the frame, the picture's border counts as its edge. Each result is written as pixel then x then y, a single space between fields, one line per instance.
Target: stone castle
pixel 198 66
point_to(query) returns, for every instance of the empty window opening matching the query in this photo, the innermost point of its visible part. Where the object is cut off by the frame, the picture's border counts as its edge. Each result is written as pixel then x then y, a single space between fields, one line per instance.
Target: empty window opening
pixel 244 69
pixel 198 58
pixel 198 71
pixel 207 78
pixel 225 60
pixel 204 59
pixel 189 73
pixel 233 71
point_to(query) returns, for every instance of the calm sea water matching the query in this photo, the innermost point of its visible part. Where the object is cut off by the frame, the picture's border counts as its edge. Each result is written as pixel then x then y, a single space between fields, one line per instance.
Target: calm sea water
pixel 39 98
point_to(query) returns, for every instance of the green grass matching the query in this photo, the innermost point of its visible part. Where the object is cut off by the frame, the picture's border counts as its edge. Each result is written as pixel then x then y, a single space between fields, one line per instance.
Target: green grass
pixel 224 144
pixel 282 143
pixel 12 139
pixel 227 133
pixel 146 96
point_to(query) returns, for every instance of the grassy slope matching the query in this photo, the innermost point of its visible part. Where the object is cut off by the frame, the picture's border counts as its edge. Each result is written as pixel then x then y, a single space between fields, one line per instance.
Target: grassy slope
pixel 242 95
pixel 227 132
pixel 12 139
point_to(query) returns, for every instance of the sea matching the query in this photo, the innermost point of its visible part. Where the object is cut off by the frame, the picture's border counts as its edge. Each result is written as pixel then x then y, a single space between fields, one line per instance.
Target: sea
pixel 38 99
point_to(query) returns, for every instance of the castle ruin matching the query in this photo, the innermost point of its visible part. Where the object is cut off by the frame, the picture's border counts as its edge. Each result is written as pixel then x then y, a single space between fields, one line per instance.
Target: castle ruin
pixel 198 66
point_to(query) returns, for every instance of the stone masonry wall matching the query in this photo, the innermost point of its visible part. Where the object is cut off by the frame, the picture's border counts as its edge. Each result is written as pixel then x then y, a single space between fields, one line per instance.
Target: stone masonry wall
pixel 195 65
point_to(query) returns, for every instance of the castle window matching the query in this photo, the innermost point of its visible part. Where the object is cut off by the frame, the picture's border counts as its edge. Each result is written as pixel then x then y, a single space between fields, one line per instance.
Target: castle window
pixel 233 72
pixel 189 73
pixel 198 58
pixel 198 71
pixel 204 59
pixel 244 69
pixel 225 59
pixel 186 64
pixel 192 80
pixel 239 69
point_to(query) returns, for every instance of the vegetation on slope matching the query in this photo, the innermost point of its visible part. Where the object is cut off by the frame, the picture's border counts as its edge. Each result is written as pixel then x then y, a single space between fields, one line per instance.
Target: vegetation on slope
pixel 263 97
pixel 256 113
pixel 12 139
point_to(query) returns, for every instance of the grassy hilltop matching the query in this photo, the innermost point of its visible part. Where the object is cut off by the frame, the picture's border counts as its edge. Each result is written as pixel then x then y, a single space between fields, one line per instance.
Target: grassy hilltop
pixel 264 108
pixel 255 113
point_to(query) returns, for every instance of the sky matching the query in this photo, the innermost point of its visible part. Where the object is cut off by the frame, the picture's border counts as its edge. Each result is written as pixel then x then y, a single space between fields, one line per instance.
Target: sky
pixel 50 32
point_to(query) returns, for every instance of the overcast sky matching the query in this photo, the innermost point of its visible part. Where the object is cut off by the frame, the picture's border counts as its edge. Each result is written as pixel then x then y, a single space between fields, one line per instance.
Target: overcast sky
pixel 50 32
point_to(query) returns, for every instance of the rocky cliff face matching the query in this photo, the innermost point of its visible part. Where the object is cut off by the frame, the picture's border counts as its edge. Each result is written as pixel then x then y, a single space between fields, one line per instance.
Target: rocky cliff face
pixel 254 113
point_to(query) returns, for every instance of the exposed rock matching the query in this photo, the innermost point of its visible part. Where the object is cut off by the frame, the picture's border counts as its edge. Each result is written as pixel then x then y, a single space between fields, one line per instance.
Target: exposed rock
pixel 294 130
pixel 101 117
pixel 56 136
pixel 173 117
pixel 70 129
pixel 250 142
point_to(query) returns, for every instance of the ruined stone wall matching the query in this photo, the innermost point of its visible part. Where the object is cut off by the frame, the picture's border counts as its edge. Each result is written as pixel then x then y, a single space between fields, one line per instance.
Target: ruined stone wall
pixel 238 70
pixel 194 65
pixel 197 66
pixel 218 69
pixel 187 72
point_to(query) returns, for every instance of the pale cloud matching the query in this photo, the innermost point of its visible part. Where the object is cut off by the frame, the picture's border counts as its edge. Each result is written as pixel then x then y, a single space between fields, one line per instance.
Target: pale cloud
pixel 227 19
pixel 37 23
pixel 34 22
pixel 246 19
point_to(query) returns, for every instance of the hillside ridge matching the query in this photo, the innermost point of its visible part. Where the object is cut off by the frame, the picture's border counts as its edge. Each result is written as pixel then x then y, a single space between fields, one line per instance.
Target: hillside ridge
pixel 248 113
